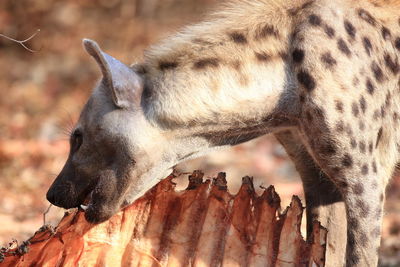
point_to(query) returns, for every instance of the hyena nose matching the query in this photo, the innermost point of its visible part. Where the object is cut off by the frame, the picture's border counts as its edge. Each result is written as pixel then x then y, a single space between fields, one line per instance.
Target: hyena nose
pixel 51 197
pixel 54 196
pixel 61 197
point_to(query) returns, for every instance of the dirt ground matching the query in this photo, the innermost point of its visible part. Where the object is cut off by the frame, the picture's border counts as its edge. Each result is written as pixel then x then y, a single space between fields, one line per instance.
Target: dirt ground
pixel 43 92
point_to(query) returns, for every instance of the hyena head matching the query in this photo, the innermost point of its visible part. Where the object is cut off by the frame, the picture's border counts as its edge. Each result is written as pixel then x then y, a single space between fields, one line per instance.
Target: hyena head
pixel 188 97
pixel 113 148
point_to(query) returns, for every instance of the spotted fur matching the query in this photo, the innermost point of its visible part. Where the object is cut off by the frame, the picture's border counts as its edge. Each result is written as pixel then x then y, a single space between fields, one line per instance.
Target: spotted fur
pixel 336 110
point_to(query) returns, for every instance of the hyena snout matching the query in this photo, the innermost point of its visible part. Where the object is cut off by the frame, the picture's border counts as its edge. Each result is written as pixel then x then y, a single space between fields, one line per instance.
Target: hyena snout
pixel 69 191
pixel 63 196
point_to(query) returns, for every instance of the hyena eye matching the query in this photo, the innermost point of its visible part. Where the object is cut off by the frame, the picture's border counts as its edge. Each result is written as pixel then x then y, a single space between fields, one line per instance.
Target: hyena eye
pixel 76 140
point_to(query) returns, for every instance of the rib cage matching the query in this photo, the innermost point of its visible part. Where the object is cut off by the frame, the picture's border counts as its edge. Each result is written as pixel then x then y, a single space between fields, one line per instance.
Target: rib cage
pixel 203 225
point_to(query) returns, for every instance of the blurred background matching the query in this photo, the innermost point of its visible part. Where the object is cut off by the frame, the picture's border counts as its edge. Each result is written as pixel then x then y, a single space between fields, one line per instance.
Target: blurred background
pixel 43 92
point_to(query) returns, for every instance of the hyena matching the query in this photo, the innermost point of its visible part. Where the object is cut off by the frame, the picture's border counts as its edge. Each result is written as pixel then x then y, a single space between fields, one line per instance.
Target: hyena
pixel 321 75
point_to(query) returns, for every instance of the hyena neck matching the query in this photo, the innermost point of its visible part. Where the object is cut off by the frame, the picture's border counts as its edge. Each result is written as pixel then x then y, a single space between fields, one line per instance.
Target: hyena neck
pixel 230 71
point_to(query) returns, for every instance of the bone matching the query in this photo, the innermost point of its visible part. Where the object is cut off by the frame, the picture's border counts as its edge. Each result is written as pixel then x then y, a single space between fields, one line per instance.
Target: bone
pixel 204 225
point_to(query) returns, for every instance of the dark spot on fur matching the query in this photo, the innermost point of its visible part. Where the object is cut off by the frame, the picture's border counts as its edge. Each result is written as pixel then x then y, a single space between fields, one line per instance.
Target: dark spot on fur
pixel 392 64
pixel 238 37
pixel 363 240
pixel 263 56
pixel 376 115
pixel 353 254
pixel 329 31
pixel 237 65
pixel 206 62
pixel 340 126
pixel 353 222
pixel 377 71
pixel 327 147
pixel 147 91
pixel 351 31
pixel 343 47
pixel 363 104
pixel 318 113
pixel 378 138
pixel 397 43
pixel 366 16
pixel 328 60
pixel 383 112
pixel 354 259
pixel 367 45
pixel 314 20
pixel 347 161
pixel 370 87
pixel 374 168
pixel 306 80
pixel 370 147
pixel 364 169
pixel 358 188
pixel 165 65
pixel 363 208
pixel 362 146
pixel 348 129
pixel 339 106
pixel 267 30
pixel 387 99
pixel 354 109
pixel 351 242
pixel 298 55
pixel 353 143
pixel 386 33
pixel 395 117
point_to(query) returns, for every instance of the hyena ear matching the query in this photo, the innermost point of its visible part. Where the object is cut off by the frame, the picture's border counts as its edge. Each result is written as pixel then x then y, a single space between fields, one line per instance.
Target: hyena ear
pixel 126 85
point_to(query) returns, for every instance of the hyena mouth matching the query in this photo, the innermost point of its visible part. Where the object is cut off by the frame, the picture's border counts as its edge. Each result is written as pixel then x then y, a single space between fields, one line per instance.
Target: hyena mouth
pixel 87 198
pixel 87 202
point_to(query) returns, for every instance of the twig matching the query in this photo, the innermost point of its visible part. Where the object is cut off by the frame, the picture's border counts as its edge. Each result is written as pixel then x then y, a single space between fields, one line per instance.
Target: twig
pixel 45 213
pixel 22 42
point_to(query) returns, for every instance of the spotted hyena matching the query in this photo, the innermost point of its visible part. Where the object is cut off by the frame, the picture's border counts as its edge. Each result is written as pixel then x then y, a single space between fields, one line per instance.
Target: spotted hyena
pixel 322 76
